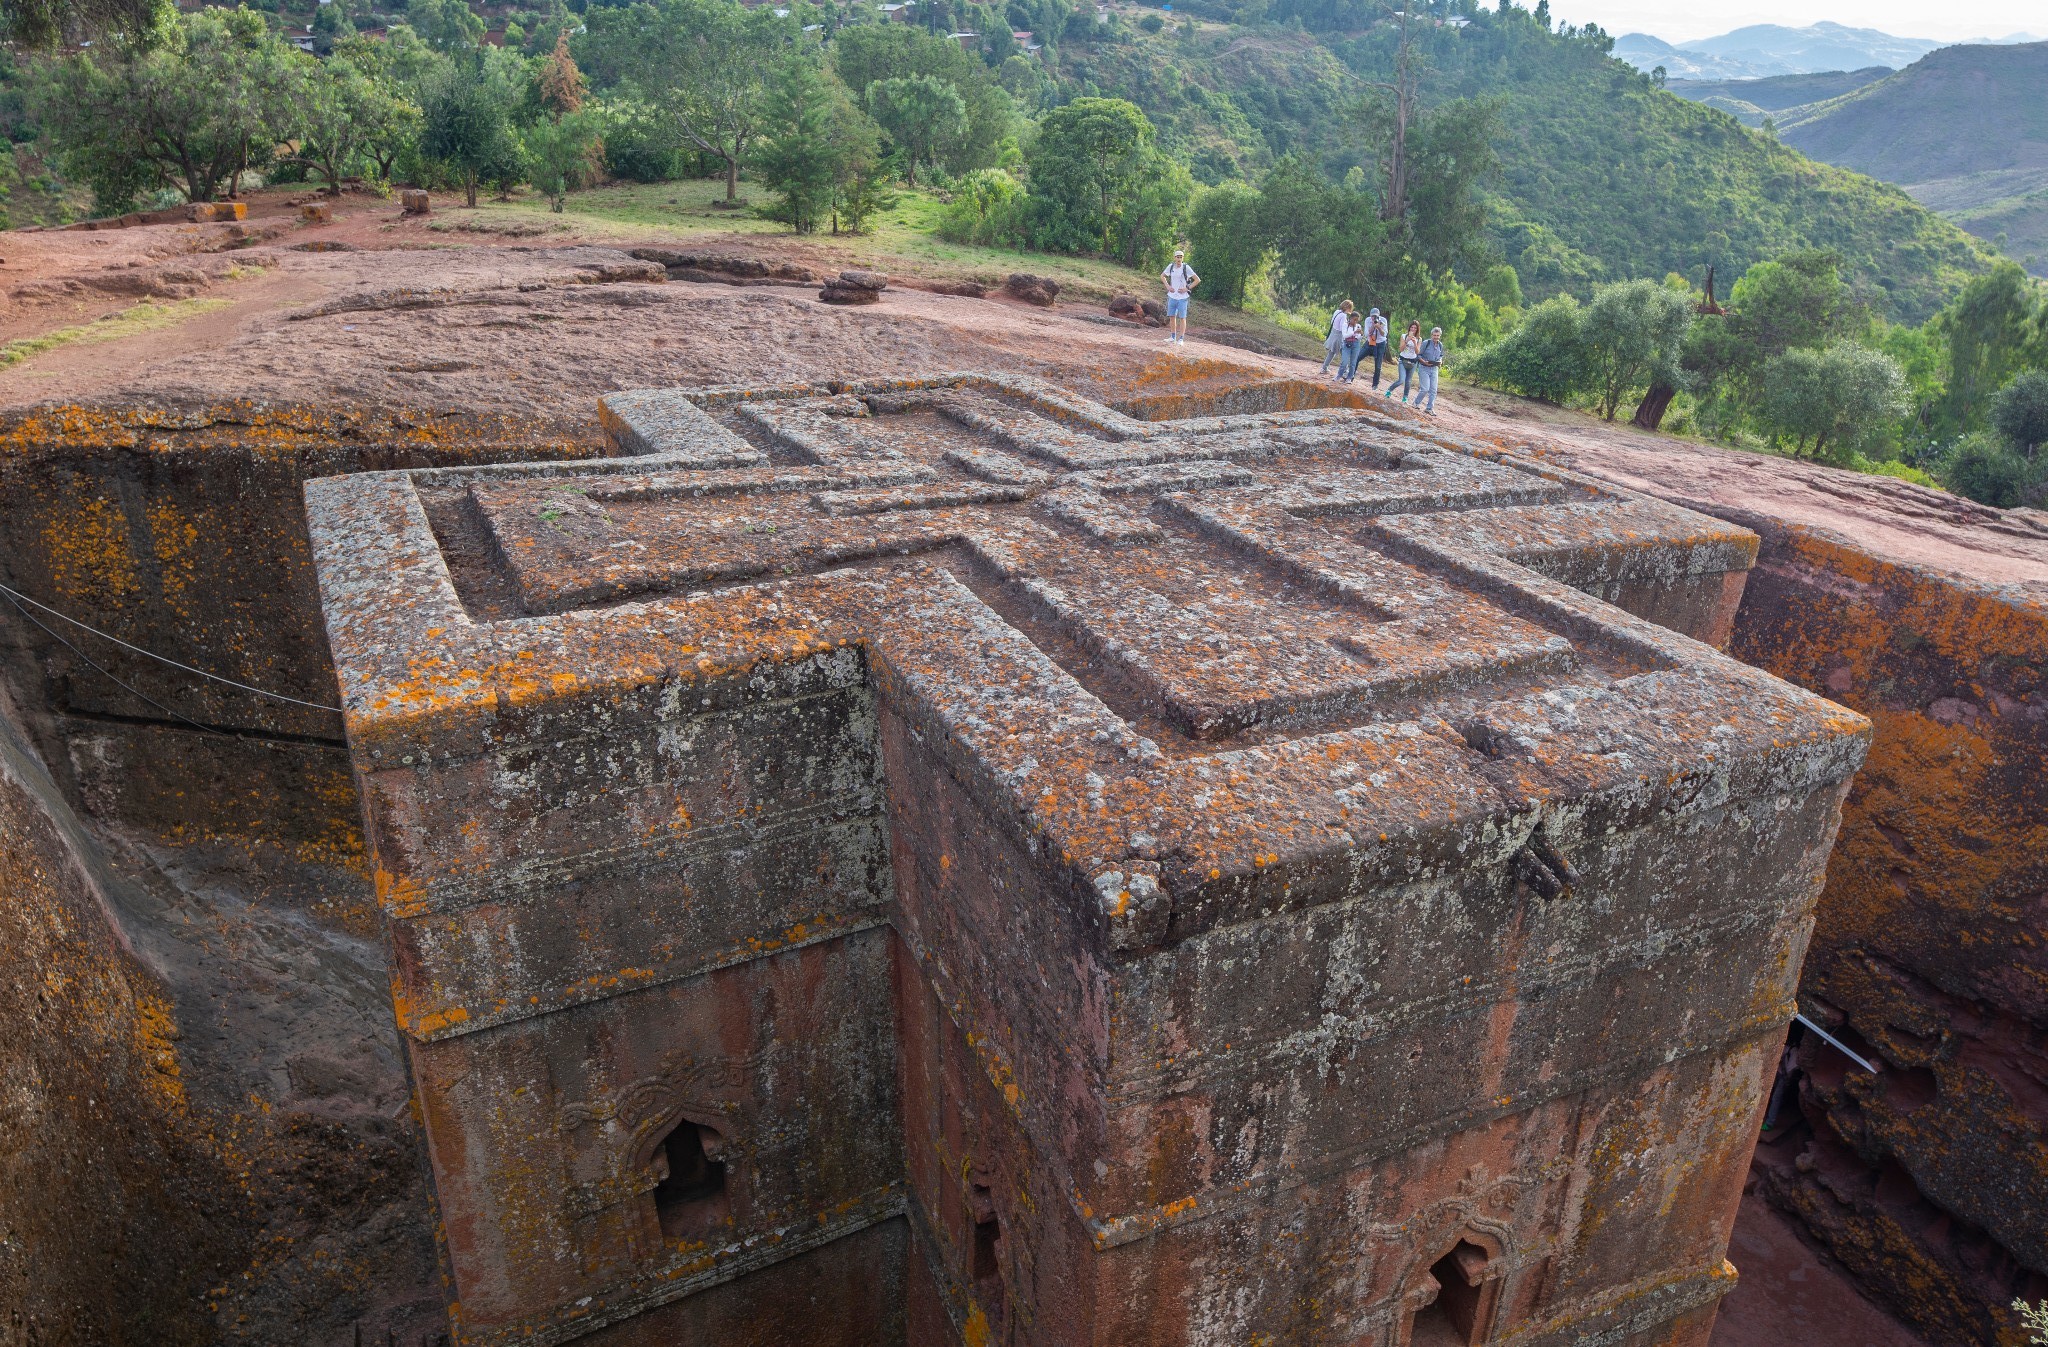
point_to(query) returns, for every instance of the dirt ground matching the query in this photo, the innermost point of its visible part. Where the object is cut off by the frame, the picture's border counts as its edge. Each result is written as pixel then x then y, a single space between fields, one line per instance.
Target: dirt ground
pixel 375 308
pixel 1791 1295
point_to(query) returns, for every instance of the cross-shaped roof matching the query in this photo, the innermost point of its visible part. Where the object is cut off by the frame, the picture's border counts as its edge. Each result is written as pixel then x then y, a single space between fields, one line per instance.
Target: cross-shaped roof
pixel 1184 654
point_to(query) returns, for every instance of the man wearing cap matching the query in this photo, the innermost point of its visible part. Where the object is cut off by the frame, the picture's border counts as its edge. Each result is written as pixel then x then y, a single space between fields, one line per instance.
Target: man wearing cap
pixel 1181 281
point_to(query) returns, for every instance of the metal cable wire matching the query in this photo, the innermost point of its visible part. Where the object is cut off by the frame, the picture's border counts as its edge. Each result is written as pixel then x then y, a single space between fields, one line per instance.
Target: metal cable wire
pixel 138 695
pixel 19 598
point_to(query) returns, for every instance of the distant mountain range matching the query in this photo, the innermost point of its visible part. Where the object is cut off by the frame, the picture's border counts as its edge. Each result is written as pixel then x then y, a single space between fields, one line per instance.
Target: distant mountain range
pixel 1768 49
pixel 1963 129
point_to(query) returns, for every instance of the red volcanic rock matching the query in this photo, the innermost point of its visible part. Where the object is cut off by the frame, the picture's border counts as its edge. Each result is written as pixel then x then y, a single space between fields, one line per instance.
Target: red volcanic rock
pixel 1039 290
pixel 954 849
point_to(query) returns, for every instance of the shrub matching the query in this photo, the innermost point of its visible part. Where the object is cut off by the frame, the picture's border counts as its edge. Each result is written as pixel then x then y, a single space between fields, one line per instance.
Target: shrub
pixel 1544 357
pixel 1989 472
pixel 987 209
pixel 635 148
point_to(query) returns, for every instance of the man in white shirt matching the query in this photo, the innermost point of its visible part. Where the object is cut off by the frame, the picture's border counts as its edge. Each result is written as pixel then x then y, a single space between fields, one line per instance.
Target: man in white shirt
pixel 1340 323
pixel 1181 281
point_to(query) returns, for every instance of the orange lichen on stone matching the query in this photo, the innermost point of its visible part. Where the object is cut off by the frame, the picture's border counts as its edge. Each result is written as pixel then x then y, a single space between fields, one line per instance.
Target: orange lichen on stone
pixel 1131 858
pixel 1926 952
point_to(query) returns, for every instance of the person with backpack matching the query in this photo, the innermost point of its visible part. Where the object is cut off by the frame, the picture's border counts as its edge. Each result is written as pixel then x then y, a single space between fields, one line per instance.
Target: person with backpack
pixel 1354 333
pixel 1181 281
pixel 1375 343
pixel 1429 358
pixel 1411 351
pixel 1333 345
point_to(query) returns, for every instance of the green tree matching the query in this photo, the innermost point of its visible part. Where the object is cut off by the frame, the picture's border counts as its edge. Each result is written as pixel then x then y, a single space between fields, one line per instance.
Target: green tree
pixel 866 54
pixel 330 25
pixel 1797 300
pixel 1989 329
pixel 45 23
pixel 1544 357
pixel 1501 288
pixel 210 101
pixel 1228 245
pixel 563 153
pixel 815 147
pixel 448 26
pixel 918 113
pixel 468 125
pixel 1330 243
pixel 1086 166
pixel 1152 216
pixel 346 117
pixel 2019 413
pixel 1833 401
pixel 1632 334
pixel 705 64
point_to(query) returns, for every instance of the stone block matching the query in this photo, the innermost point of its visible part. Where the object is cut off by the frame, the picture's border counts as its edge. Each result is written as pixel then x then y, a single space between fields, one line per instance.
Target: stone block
pixel 1256 877
pixel 414 201
pixel 317 213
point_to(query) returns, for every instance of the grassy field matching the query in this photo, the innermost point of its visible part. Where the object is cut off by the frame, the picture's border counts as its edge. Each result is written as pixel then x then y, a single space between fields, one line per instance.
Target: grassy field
pixel 901 240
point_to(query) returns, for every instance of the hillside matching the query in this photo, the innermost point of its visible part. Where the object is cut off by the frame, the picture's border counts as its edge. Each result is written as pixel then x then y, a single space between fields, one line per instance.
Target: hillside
pixel 1749 101
pixel 1604 176
pixel 1768 49
pixel 1905 129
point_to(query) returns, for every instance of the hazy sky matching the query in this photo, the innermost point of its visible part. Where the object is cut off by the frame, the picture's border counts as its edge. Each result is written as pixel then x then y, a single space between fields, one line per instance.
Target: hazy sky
pixel 1678 20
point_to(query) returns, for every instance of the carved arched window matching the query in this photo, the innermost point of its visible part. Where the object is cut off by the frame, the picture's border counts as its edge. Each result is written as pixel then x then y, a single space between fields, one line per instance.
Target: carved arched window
pixel 1453 1303
pixel 690 1197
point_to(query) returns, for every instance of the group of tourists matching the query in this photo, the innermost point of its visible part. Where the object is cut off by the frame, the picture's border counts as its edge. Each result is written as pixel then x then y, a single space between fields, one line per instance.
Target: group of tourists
pixel 1353 338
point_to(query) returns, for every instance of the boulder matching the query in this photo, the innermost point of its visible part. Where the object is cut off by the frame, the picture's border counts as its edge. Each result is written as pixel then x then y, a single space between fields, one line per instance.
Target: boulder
pixel 1134 310
pixel 835 293
pixel 1039 290
pixel 317 214
pixel 415 202
pixel 863 280
pixel 855 287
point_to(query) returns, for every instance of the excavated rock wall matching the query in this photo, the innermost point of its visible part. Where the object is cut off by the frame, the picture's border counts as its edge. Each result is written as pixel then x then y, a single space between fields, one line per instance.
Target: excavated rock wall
pixel 1929 1178
pixel 114 1222
pixel 195 1024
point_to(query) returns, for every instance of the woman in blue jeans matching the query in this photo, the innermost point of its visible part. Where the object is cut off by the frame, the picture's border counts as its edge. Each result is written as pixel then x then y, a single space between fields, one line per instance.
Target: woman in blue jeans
pixel 1354 337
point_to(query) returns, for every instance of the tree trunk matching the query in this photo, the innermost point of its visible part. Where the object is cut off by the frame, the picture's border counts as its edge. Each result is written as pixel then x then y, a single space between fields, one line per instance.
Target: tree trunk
pixel 469 189
pixel 1650 411
pixel 732 179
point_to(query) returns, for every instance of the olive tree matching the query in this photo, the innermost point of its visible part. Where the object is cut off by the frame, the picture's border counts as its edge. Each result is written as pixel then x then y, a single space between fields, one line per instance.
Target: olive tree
pixel 1831 401
pixel 1632 334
